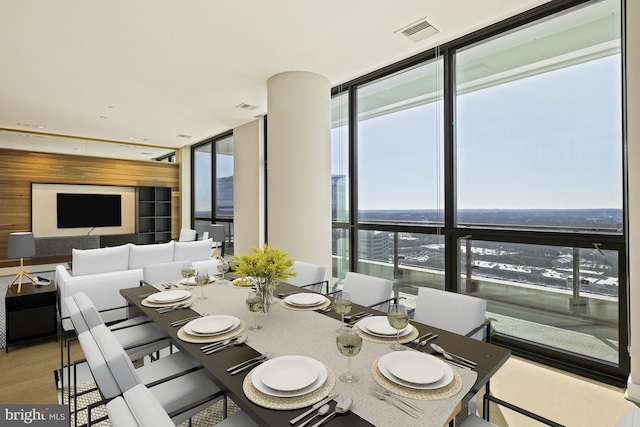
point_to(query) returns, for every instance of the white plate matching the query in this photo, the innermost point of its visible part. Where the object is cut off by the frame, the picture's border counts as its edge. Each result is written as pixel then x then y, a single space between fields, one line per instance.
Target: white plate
pixel 212 325
pixel 169 296
pixel 379 326
pixel 280 364
pixel 290 375
pixel 243 282
pixel 191 281
pixel 305 299
pixel 414 368
pixel 428 359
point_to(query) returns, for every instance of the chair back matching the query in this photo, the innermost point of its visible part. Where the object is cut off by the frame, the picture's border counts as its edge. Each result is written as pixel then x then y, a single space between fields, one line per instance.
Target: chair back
pixel 102 375
pixel 450 311
pixel 631 418
pixel 89 311
pixel 165 272
pixel 75 315
pixel 368 290
pixel 138 407
pixel 307 274
pixel 187 235
pixel 116 357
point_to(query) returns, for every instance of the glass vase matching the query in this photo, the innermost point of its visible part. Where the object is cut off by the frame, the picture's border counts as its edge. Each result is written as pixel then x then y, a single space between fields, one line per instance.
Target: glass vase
pixel 265 290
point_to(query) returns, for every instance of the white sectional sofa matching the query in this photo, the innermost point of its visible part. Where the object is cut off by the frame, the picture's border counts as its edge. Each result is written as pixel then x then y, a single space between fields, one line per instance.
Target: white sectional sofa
pixel 101 273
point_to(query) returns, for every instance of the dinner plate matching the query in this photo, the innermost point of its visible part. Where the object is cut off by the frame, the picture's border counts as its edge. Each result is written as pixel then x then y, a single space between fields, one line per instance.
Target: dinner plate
pixel 305 299
pixel 427 359
pixel 281 365
pixel 169 296
pixel 414 368
pixel 242 282
pixel 379 326
pixel 191 281
pixel 212 325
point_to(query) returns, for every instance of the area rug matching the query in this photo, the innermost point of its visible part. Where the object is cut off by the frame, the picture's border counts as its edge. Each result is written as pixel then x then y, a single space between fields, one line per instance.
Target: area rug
pixel 88 395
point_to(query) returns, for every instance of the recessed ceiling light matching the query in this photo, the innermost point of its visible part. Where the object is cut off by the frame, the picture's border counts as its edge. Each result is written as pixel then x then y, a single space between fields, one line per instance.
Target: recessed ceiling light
pixel 104 117
pixel 146 154
pixel 131 138
pixel 182 135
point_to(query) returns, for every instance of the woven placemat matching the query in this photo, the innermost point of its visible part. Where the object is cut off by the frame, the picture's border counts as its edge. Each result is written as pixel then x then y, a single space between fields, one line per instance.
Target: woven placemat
pixel 381 340
pixel 197 339
pixel 288 306
pixel 148 303
pixel 445 392
pixel 286 403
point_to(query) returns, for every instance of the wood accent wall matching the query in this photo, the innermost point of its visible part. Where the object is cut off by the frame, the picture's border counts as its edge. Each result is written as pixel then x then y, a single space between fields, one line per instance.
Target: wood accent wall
pixel 18 169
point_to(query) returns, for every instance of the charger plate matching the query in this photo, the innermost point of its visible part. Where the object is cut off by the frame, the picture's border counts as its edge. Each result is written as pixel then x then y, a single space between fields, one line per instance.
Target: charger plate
pixel 148 303
pixel 380 340
pixel 186 337
pixel 325 304
pixel 441 393
pixel 286 403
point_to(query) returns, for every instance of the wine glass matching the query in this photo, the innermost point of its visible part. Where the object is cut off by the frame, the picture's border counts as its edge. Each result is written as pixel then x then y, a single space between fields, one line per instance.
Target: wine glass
pixel 202 278
pixel 223 266
pixel 398 318
pixel 349 344
pixel 188 271
pixel 254 304
pixel 342 304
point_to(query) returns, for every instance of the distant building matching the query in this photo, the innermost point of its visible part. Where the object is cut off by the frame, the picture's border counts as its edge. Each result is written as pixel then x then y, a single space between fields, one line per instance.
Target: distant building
pixel 373 245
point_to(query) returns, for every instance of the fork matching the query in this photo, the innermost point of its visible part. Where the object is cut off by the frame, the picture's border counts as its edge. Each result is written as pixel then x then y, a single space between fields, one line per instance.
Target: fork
pixel 398 398
pixel 398 404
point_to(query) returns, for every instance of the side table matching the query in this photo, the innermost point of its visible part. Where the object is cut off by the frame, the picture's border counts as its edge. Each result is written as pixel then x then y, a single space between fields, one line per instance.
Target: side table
pixel 31 314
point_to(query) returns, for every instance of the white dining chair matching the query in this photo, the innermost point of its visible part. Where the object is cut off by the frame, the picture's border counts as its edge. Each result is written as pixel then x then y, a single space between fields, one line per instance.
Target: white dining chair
pixel 453 312
pixel 187 235
pixel 309 276
pixel 370 291
pixel 139 407
pixel 176 381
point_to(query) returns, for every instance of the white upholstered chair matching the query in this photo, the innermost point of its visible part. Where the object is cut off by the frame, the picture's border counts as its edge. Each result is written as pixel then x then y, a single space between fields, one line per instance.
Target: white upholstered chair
pixel 457 313
pixel 187 235
pixel 370 291
pixel 309 276
pixel 139 407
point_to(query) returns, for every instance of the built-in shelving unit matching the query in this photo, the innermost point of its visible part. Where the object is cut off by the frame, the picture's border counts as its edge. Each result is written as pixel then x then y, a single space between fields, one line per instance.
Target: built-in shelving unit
pixel 154 215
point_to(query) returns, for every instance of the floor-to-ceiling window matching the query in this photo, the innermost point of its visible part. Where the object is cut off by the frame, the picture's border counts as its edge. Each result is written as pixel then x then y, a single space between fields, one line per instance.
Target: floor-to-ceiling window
pixel 493 166
pixel 213 186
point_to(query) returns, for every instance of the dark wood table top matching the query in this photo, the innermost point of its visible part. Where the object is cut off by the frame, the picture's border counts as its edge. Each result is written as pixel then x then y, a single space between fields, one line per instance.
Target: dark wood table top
pixel 488 356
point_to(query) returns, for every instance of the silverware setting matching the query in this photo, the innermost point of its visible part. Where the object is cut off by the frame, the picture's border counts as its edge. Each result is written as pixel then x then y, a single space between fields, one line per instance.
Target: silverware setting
pixel 249 364
pixel 398 398
pixel 169 308
pixel 218 343
pixel 428 340
pixel 351 317
pixel 142 296
pixel 397 402
pixel 453 357
pixel 187 320
pixel 238 341
pixel 325 310
pixel 313 408
pixel 423 337
pixel 341 408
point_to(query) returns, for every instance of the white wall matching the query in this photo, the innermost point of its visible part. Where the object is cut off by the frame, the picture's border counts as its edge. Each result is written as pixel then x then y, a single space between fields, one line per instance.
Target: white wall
pixel 44 214
pixel 183 157
pixel 632 60
pixel 248 186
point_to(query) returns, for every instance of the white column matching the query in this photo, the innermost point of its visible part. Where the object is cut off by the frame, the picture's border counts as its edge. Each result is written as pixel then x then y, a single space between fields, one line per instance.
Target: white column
pixel 633 157
pixel 183 156
pixel 299 166
pixel 248 186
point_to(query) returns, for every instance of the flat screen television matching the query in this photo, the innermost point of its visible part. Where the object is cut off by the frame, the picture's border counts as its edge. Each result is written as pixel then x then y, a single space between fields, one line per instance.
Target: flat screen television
pixel 76 210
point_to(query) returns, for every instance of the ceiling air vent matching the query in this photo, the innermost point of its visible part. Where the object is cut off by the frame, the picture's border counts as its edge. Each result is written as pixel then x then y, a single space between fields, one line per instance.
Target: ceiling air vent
pixel 246 106
pixel 182 135
pixel 419 30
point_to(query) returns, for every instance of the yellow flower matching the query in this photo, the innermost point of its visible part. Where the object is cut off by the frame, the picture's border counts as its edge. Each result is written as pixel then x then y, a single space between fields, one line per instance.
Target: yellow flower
pixel 267 264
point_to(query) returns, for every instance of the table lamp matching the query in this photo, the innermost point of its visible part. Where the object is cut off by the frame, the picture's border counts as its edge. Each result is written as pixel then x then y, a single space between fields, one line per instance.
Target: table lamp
pixel 217 234
pixel 21 245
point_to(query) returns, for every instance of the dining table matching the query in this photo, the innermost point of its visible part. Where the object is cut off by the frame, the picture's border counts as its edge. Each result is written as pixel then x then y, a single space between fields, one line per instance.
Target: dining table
pixel 290 331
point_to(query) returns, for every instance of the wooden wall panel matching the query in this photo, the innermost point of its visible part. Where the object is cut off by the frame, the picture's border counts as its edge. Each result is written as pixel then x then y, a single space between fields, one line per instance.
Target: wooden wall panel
pixel 18 169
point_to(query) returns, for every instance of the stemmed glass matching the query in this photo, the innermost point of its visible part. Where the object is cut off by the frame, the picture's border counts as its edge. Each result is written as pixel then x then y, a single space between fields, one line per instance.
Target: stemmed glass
pixel 188 271
pixel 254 305
pixel 342 305
pixel 349 344
pixel 223 266
pixel 202 278
pixel 398 318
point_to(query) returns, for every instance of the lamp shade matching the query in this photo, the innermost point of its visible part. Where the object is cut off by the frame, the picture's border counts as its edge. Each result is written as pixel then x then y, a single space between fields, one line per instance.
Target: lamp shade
pixel 217 233
pixel 21 245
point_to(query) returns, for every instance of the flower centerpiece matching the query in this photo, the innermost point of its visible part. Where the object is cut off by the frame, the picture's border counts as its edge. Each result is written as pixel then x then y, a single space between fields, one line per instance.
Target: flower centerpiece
pixel 268 266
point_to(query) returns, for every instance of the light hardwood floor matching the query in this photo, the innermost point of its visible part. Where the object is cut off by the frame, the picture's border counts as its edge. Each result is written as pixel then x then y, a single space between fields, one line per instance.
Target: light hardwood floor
pixel 27 377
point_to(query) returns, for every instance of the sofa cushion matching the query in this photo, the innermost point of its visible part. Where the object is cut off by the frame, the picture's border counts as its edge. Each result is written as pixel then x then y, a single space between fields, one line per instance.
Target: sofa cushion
pixel 103 260
pixel 141 255
pixel 192 251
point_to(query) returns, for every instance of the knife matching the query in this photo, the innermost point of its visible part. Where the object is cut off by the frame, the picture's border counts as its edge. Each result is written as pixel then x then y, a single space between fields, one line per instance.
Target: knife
pixel 313 408
pixel 253 359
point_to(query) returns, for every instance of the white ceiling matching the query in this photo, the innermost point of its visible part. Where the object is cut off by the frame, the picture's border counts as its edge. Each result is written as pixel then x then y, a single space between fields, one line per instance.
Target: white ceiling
pixel 138 73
